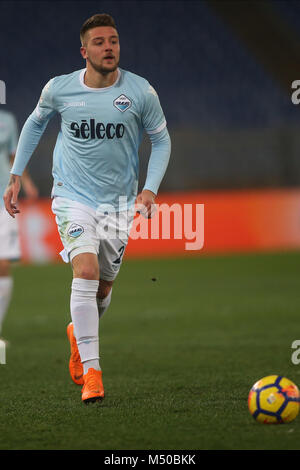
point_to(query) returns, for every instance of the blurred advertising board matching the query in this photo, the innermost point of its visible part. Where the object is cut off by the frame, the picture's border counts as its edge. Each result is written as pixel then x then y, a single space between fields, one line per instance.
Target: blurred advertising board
pixel 185 223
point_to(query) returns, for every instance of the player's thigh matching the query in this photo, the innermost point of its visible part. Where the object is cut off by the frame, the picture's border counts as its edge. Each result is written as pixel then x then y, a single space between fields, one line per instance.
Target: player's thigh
pixel 77 227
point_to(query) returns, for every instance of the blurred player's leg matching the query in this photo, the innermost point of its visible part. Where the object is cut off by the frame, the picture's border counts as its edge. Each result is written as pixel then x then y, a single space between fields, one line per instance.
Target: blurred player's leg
pixel 6 286
pixel 9 251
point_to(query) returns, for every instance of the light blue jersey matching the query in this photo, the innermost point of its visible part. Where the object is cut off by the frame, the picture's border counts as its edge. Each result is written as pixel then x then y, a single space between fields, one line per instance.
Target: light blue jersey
pixel 8 146
pixel 95 159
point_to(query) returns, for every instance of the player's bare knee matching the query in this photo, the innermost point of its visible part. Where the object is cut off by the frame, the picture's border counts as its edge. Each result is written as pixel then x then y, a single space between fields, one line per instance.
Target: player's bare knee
pixel 86 272
pixel 85 266
pixel 104 288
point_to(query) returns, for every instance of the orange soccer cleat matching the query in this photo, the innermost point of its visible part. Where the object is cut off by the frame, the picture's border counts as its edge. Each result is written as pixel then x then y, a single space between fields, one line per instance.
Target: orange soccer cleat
pixel 75 365
pixel 92 389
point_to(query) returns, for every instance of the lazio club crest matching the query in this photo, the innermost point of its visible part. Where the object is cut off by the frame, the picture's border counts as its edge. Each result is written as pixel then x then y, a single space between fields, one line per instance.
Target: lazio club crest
pixel 122 103
pixel 75 230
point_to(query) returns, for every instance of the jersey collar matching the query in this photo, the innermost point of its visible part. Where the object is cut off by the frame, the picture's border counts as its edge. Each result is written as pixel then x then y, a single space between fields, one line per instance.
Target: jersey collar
pixel 81 80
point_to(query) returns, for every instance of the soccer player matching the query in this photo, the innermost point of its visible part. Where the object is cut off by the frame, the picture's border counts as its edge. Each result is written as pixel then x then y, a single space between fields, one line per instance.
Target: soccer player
pixel 104 112
pixel 9 235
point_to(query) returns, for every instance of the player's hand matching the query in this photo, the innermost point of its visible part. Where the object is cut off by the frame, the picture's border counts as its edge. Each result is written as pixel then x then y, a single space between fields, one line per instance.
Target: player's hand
pixel 145 203
pixel 11 193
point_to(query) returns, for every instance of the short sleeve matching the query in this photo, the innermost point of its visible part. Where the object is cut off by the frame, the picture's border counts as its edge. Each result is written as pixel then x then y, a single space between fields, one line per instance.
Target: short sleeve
pixel 153 118
pixel 45 107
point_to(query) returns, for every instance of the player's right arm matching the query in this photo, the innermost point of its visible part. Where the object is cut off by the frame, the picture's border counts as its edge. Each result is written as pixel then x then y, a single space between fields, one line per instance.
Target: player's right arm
pixel 29 138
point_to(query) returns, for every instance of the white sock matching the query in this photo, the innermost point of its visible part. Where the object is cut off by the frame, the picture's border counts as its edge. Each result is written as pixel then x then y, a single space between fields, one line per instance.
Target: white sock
pixel 84 313
pixel 103 304
pixel 6 286
pixel 92 364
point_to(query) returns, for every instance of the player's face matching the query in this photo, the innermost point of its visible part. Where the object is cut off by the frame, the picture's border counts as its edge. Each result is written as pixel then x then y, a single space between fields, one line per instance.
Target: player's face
pixel 102 49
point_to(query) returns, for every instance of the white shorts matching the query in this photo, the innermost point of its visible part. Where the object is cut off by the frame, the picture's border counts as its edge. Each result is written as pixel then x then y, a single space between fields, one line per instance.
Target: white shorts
pixel 9 236
pixel 85 230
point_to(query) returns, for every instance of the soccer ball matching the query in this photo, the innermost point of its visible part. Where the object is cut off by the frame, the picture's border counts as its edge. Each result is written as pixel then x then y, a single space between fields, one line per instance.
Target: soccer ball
pixel 274 399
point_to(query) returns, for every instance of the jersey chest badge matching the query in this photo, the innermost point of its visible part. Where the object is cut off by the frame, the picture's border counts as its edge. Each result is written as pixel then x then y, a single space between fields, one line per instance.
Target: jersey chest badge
pixel 122 103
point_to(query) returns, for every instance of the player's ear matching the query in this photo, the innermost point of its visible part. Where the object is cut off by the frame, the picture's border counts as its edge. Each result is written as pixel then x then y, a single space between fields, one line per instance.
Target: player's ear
pixel 83 52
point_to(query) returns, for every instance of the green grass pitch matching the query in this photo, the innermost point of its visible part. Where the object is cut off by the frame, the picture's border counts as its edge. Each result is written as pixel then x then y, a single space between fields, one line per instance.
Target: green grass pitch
pixel 179 356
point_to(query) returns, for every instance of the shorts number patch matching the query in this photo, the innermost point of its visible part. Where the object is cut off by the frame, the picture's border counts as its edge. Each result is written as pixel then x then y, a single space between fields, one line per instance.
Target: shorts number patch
pixel 121 253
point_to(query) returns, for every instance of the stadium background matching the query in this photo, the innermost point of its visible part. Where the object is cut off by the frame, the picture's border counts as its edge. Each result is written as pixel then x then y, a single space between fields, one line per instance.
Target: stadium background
pixel 223 71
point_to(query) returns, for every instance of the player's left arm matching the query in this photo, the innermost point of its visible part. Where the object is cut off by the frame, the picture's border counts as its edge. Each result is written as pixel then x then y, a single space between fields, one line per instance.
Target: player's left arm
pixel 154 123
